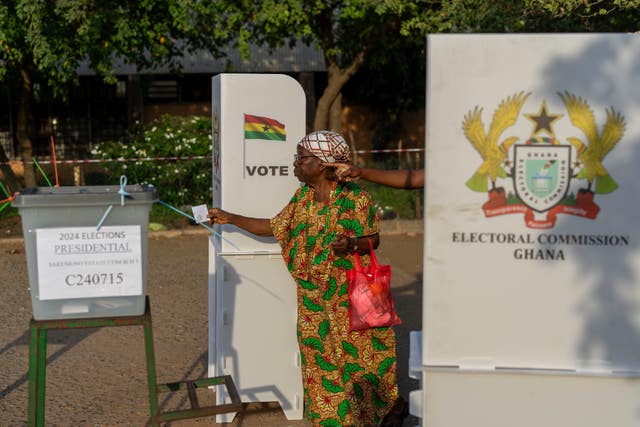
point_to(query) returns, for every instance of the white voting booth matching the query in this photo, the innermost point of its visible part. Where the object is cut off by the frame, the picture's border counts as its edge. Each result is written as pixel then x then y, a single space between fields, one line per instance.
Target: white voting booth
pixel 531 306
pixel 257 121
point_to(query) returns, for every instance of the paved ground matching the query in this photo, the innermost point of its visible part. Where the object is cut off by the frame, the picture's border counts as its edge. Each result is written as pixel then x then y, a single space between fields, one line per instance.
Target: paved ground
pixel 97 376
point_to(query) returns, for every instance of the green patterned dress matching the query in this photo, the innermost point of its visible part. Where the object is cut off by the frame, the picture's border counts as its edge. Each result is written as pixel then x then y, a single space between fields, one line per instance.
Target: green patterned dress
pixel 349 378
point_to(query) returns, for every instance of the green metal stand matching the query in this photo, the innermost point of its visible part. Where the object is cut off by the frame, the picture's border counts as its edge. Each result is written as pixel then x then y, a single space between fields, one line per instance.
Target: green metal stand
pixel 38 365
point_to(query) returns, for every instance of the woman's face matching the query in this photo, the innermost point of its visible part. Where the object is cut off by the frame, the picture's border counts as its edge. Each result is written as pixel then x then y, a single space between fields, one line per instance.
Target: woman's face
pixel 306 167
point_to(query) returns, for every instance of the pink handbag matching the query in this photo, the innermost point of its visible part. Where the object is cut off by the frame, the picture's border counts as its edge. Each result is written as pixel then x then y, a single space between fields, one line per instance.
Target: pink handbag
pixel 370 299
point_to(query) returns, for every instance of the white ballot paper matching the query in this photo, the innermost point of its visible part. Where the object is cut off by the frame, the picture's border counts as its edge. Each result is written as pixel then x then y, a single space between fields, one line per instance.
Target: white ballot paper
pixel 200 213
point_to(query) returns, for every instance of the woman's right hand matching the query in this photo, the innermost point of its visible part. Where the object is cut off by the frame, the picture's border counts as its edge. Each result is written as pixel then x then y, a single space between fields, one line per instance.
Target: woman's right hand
pixel 218 216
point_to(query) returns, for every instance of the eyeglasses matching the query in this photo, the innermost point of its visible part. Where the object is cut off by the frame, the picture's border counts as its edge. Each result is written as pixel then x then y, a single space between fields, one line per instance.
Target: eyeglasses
pixel 297 157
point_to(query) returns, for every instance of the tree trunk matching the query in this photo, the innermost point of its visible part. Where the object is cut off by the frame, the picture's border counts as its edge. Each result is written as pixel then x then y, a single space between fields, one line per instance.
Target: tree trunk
pixel 337 78
pixel 335 114
pixel 7 177
pixel 307 82
pixel 22 130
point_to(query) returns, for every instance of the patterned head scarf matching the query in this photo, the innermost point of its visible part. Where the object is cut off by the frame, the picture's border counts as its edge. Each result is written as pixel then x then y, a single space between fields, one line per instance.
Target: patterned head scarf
pixel 326 145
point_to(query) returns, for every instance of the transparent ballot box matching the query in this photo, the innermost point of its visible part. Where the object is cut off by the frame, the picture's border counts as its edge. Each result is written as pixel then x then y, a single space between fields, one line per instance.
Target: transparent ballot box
pixel 86 249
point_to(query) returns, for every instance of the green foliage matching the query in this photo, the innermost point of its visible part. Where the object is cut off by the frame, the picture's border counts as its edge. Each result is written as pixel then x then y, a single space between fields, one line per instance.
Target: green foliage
pixel 349 33
pixel 503 16
pixel 8 211
pixel 180 183
pixel 45 42
pixel 585 15
pixel 403 57
pixel 49 39
pixel 393 203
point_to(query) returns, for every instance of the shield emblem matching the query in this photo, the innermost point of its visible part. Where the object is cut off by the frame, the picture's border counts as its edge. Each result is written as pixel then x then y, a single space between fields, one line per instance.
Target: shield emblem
pixel 542 174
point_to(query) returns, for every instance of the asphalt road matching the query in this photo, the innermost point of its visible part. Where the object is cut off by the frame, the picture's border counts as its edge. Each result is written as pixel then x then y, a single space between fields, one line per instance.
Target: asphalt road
pixel 97 376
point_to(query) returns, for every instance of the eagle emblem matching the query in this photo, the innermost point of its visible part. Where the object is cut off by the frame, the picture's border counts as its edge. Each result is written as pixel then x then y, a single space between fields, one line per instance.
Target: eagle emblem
pixel 532 175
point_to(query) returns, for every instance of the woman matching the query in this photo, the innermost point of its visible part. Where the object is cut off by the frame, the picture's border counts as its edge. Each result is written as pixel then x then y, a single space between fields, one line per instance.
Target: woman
pixel 349 378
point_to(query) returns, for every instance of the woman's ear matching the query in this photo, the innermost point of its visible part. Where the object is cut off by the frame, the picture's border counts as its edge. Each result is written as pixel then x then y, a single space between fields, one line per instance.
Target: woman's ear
pixel 329 172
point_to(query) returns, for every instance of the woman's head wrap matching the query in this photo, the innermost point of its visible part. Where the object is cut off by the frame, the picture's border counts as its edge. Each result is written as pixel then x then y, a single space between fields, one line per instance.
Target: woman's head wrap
pixel 326 145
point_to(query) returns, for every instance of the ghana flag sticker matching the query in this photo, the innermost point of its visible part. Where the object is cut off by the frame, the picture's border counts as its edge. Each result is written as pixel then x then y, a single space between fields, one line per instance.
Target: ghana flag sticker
pixel 258 127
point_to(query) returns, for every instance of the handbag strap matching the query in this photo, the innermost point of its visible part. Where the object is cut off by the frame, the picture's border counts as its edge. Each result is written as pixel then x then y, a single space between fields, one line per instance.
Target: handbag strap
pixel 356 259
pixel 372 255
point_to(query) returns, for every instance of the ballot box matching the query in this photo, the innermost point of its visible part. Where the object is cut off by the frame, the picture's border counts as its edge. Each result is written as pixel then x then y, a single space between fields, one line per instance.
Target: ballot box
pixel 86 249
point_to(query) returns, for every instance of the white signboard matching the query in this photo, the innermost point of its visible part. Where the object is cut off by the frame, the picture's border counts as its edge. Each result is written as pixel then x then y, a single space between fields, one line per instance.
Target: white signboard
pixel 533 202
pixel 82 262
pixel 258 120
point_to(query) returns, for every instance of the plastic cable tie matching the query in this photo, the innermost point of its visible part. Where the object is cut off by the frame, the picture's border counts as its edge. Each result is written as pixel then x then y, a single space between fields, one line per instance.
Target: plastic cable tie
pixel 199 223
pixel 104 216
pixel 122 192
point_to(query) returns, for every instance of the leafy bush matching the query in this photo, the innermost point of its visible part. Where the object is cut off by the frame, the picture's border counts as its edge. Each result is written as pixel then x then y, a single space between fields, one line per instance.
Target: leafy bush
pixel 393 203
pixel 8 211
pixel 185 183
pixel 180 183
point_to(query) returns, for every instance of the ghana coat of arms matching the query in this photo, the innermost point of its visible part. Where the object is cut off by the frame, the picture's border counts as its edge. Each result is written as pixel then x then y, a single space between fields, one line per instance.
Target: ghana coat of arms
pixel 537 170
